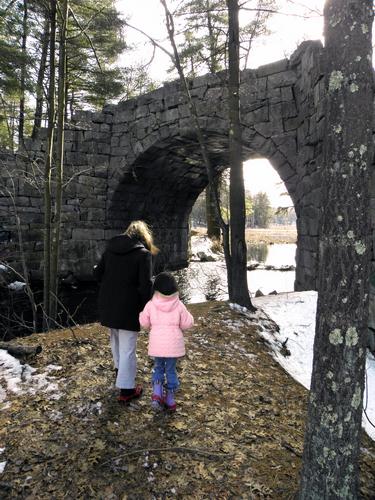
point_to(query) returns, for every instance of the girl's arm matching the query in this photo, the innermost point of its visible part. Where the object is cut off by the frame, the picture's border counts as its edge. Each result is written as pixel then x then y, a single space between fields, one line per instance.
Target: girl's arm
pixel 144 317
pixel 186 319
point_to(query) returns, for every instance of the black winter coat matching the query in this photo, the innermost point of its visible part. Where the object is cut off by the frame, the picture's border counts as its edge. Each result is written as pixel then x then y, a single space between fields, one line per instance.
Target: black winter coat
pixel 124 273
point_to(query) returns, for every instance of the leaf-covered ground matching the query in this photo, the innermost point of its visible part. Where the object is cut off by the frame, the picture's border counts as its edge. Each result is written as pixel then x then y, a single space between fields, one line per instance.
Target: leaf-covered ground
pixel 237 432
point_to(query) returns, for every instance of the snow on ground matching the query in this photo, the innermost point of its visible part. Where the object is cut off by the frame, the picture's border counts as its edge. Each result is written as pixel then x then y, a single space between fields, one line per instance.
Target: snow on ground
pixel 2 464
pixel 18 379
pixel 295 312
pixel 202 243
pixel 17 286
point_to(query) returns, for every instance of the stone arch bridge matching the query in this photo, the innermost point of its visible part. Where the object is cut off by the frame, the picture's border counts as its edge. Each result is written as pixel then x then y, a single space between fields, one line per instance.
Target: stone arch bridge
pixel 140 159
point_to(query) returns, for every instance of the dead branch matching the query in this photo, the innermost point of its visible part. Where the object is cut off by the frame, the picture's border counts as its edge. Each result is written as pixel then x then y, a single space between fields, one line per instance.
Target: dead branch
pixel 174 449
pixel 19 351
pixel 87 36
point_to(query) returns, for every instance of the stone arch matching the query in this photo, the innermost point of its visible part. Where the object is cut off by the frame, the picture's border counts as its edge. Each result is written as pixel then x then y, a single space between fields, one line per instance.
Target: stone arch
pixel 165 181
pixel 164 168
pixel 140 158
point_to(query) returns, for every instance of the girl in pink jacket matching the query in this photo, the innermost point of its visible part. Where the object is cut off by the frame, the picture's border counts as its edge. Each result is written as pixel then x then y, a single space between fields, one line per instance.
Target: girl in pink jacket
pixel 166 316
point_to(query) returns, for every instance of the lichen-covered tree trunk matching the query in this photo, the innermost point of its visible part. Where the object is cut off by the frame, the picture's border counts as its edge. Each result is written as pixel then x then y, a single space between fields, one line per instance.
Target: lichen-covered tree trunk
pixel 330 461
pixel 238 291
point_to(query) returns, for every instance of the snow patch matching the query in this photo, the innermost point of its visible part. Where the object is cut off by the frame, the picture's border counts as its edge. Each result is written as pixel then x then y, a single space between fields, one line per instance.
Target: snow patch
pixel 17 286
pixel 23 379
pixel 295 313
pixel 202 243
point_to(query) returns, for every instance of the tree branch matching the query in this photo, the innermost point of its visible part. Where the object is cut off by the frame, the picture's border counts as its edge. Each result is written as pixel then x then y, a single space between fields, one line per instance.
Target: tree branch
pixel 87 36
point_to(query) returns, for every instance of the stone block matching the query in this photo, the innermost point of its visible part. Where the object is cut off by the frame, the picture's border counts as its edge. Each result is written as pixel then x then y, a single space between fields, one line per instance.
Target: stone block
pixel 289 110
pixel 121 118
pixel 98 159
pixel 87 234
pixel 170 115
pixel 287 94
pixel 141 111
pixel 105 127
pixel 272 68
pixel 117 162
pixel 103 149
pixel 101 171
pixel 156 105
pixel 257 116
pixel 282 79
pixel 184 111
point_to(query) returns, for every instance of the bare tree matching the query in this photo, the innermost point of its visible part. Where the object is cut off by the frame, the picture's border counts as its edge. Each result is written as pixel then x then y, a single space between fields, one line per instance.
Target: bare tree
pixel 237 283
pixel 332 440
pixel 61 105
pixel 237 279
pixel 47 166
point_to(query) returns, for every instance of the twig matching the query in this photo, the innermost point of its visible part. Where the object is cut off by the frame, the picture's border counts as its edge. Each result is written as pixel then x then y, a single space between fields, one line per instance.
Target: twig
pixel 152 40
pixel 87 36
pixel 174 449
pixel 69 316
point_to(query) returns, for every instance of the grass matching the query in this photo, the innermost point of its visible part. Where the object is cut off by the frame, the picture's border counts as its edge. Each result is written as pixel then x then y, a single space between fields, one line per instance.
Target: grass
pixel 275 234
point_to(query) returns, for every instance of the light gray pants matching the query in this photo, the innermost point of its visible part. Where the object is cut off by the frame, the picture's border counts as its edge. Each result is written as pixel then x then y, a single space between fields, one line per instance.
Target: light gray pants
pixel 123 344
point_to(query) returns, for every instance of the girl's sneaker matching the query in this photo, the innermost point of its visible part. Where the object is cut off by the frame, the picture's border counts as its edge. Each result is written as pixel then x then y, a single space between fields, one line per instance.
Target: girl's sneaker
pixel 170 402
pixel 157 399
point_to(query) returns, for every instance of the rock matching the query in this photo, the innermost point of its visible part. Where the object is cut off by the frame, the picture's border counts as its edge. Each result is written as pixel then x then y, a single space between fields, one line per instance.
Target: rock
pixel 269 267
pixel 287 268
pixel 273 293
pixel 252 266
pixel 258 293
pixel 203 257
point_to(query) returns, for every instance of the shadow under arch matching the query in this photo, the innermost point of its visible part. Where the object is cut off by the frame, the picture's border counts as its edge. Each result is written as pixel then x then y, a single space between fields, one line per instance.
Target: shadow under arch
pixel 164 182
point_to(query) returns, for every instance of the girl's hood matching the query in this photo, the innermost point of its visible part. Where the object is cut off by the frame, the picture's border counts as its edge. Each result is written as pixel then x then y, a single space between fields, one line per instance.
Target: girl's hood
pixel 165 303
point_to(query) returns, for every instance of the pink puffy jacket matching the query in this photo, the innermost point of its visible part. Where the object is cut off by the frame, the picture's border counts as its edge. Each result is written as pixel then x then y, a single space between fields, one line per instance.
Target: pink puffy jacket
pixel 167 317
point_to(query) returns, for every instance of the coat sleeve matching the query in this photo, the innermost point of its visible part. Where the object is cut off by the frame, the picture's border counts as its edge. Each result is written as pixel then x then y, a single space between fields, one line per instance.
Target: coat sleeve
pixel 144 317
pixel 98 270
pixel 145 278
pixel 186 319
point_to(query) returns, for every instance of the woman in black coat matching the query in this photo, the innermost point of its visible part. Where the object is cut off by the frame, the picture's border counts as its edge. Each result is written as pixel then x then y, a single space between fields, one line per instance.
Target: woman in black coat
pixel 124 273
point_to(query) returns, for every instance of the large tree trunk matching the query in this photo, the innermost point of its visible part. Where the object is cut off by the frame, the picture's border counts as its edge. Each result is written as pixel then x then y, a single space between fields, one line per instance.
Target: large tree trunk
pixel 59 157
pixel 47 170
pixel 213 226
pixel 330 461
pixel 21 119
pixel 238 290
pixel 39 85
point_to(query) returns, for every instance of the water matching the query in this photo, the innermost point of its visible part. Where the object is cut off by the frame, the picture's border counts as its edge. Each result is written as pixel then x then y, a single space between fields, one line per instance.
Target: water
pixel 199 282
pixel 203 281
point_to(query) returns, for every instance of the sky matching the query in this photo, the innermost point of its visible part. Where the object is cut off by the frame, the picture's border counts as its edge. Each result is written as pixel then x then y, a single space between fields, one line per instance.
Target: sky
pixel 298 20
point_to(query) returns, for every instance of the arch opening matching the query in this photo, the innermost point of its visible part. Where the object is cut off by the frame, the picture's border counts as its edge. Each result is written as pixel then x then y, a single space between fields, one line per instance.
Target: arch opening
pixel 162 187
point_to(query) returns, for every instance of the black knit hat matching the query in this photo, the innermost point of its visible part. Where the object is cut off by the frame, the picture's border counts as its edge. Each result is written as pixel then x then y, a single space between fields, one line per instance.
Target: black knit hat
pixel 165 284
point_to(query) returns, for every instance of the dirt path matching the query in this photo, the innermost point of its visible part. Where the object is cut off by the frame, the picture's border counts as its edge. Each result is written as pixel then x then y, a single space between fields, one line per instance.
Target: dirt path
pixel 237 433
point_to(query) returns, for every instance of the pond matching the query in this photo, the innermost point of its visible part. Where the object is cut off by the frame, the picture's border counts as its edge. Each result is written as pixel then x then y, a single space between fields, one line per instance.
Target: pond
pixel 207 280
